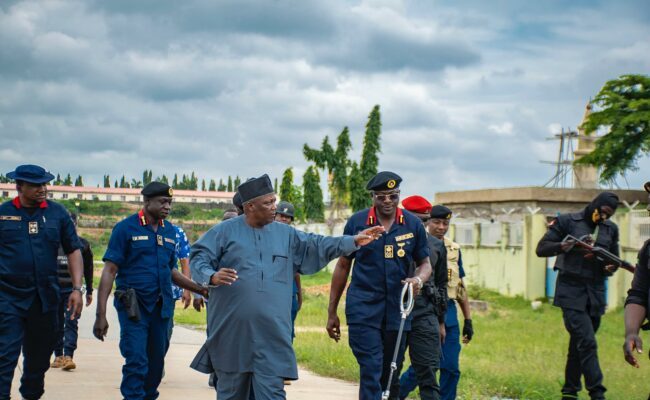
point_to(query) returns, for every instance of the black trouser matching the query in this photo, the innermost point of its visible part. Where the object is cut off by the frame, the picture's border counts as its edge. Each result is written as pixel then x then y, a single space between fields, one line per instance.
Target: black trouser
pixel 34 334
pixel 424 349
pixel 583 354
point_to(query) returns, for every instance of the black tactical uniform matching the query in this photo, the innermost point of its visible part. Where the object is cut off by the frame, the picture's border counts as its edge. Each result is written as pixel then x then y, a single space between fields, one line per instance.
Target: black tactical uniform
pixel 639 292
pixel 428 312
pixel 580 290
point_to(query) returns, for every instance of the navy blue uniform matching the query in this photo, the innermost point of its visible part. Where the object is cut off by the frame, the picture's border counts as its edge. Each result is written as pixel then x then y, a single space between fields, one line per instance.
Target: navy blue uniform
pixel 29 289
pixel 372 305
pixel 145 260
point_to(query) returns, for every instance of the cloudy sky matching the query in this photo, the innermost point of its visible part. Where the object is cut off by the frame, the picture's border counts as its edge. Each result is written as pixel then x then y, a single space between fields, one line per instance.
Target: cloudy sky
pixel 469 90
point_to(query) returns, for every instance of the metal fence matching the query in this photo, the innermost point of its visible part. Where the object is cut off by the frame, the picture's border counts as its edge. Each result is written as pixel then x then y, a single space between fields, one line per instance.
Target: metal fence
pixel 639 228
pixel 490 233
pixel 465 233
pixel 516 233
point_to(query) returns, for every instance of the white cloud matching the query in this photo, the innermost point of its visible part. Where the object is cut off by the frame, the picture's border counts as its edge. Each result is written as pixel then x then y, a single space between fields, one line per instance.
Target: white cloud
pixel 468 92
pixel 504 129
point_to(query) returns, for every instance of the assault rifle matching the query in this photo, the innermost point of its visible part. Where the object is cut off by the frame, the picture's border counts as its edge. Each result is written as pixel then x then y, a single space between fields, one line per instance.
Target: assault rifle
pixel 601 254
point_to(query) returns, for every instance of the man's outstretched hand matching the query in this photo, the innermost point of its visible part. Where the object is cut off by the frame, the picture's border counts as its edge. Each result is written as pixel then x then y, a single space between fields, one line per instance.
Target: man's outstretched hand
pixel 368 235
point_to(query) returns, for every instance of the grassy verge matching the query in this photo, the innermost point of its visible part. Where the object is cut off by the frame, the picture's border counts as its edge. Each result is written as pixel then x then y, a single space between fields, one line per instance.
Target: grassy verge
pixel 516 353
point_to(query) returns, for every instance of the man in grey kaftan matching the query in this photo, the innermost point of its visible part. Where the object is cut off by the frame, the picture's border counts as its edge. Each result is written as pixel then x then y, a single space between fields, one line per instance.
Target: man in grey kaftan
pixel 249 317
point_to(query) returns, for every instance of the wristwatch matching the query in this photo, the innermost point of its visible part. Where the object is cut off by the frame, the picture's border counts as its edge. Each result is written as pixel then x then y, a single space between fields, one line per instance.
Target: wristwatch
pixel 79 289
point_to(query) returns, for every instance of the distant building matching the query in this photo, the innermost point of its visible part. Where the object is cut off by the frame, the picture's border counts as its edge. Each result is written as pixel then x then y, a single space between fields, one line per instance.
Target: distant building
pixel 8 190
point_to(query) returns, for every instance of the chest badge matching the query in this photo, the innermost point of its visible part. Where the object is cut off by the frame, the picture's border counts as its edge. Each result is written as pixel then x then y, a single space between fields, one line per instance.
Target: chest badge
pixel 159 239
pixel 388 251
pixel 33 228
pixel 401 252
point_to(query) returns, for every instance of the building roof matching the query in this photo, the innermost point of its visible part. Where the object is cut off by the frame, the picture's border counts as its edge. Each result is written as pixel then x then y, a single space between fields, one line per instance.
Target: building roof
pixel 124 191
pixel 535 194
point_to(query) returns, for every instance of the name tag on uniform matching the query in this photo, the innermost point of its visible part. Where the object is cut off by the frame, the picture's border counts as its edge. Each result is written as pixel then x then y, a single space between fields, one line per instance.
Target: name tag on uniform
pixel 404 237
pixel 159 239
pixel 388 251
pixel 136 238
pixel 10 218
pixel 33 228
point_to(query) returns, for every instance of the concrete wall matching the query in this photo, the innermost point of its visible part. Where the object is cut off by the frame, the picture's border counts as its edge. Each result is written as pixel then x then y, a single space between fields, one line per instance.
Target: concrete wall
pixel 517 271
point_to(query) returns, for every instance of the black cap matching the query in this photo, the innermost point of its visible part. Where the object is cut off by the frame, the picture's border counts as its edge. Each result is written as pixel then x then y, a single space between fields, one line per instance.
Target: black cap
pixel 154 189
pixel 254 188
pixel 30 173
pixel 440 211
pixel 384 180
pixel 285 208
pixel 236 200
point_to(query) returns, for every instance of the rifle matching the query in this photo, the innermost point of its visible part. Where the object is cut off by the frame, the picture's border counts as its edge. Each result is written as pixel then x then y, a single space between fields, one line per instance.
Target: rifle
pixel 601 254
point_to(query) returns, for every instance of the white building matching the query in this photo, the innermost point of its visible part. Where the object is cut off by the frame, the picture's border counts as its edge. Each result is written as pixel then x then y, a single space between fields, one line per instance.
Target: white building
pixel 8 190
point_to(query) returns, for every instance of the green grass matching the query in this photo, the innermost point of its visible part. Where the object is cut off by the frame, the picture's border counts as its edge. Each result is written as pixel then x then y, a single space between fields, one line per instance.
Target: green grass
pixel 323 277
pixel 517 352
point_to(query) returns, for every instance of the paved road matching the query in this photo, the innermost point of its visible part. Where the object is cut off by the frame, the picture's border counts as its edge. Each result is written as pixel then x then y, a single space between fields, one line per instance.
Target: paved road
pixel 99 364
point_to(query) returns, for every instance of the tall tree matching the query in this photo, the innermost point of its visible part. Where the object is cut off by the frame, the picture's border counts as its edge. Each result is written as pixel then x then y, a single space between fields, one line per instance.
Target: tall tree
pixel 275 185
pixel 164 179
pixel 135 183
pixel 79 181
pixel 58 181
pixel 624 109
pixel 286 185
pixel 371 145
pixel 123 182
pixel 339 192
pixel 203 185
pixel 229 184
pixel 107 181
pixel 313 195
pixel 298 203
pixel 222 186
pixel 115 185
pixel 146 177
pixel 175 181
pixel 68 180
pixel 359 198
pixel 213 186
pixel 237 182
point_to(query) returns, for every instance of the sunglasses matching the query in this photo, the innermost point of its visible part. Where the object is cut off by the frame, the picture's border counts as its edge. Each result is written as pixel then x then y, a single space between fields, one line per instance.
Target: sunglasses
pixel 392 196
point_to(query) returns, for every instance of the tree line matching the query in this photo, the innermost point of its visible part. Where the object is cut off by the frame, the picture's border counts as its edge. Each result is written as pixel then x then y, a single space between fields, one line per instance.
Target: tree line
pixel 346 178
